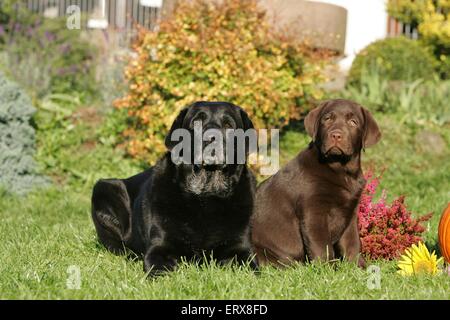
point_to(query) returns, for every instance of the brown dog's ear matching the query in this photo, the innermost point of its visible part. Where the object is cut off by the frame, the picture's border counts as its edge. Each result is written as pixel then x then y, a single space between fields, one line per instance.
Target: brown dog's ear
pixel 372 133
pixel 312 121
pixel 177 124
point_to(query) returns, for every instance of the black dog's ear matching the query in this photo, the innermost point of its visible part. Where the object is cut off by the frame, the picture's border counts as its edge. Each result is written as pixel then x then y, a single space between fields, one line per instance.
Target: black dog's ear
pixel 248 124
pixel 372 133
pixel 312 121
pixel 111 213
pixel 177 124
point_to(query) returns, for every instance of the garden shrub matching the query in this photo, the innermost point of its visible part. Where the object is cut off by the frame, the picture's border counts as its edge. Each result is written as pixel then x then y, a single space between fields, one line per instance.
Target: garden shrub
pixel 45 57
pixel 432 19
pixel 394 59
pixel 423 102
pixel 386 230
pixel 215 51
pixel 17 140
pixel 408 11
pixel 372 91
pixel 418 102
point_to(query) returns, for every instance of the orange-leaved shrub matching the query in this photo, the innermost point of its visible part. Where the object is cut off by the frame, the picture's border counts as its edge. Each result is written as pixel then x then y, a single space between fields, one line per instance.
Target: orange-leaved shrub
pixel 223 51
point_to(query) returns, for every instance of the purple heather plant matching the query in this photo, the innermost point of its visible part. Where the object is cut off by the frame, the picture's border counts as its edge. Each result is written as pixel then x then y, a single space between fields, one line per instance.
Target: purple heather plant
pixel 386 230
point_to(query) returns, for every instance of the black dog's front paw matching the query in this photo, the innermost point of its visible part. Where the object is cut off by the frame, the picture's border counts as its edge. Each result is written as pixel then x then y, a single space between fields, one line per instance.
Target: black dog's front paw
pixel 254 265
pixel 157 262
pixel 244 258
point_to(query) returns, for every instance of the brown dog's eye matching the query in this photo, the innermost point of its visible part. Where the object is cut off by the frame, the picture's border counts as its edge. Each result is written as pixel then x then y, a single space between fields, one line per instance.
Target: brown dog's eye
pixel 353 122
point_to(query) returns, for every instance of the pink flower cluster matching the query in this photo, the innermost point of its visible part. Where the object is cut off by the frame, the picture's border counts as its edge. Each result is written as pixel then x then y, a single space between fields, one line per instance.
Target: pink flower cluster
pixel 386 230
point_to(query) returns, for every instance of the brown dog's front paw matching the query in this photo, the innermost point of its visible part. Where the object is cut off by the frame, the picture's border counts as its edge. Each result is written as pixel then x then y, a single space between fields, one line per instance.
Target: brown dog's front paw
pixel 362 262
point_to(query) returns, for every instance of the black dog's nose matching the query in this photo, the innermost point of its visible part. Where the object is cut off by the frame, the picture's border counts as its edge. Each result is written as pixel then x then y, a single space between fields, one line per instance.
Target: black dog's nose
pixel 336 135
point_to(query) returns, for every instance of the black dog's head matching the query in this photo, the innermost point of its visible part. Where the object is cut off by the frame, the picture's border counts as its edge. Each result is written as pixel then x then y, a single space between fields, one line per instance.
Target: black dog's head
pixel 341 128
pixel 209 175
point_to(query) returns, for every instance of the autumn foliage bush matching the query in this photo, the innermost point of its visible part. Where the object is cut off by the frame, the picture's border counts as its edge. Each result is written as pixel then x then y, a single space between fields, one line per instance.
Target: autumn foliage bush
pixel 215 51
pixel 386 230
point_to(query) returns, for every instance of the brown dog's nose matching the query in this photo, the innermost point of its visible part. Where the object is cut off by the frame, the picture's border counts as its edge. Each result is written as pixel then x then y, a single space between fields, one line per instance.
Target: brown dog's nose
pixel 336 136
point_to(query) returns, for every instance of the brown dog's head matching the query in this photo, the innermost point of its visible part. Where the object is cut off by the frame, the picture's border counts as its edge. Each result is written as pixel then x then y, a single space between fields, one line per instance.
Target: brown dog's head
pixel 341 128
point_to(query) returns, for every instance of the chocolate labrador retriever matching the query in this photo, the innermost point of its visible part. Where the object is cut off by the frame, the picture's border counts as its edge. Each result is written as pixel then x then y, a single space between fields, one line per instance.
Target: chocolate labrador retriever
pixel 180 210
pixel 308 210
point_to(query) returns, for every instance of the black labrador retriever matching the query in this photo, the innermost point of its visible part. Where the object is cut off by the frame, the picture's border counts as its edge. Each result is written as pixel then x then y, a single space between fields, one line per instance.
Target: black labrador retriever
pixel 308 210
pixel 180 210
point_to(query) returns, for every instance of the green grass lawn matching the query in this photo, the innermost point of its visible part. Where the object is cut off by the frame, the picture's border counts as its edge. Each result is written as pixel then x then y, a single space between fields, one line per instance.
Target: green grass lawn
pixel 49 231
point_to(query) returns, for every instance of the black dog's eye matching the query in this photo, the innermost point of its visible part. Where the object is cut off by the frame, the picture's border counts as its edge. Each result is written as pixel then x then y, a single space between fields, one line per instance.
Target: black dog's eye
pixel 228 123
pixel 199 117
pixel 353 122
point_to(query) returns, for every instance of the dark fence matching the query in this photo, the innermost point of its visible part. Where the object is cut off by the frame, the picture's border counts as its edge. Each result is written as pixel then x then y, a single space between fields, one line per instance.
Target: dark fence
pixel 120 14
pixel 397 28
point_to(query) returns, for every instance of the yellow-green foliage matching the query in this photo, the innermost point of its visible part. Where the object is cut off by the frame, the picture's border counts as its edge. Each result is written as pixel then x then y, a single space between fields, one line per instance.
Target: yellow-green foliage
pixel 409 11
pixel 432 18
pixel 393 59
pixel 215 51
